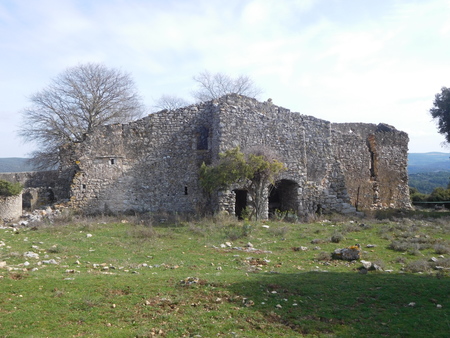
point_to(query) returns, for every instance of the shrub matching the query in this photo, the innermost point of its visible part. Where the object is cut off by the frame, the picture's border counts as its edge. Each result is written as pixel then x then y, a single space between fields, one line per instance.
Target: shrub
pixel 400 259
pixel 55 249
pixel 281 231
pixel 142 232
pixel 337 237
pixel 439 194
pixel 441 249
pixel 418 266
pixel 289 216
pixel 379 265
pixel 346 228
pixel 414 249
pixel 411 244
pixel 234 232
pixel 10 189
pixel 444 263
pixel 417 196
pixel 323 256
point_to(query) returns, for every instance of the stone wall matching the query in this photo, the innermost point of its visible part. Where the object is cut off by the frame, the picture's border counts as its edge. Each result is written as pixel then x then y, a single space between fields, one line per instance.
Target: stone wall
pixel 40 187
pixel 302 142
pixel 32 179
pixel 153 164
pixel 374 160
pixel 10 208
pixel 147 165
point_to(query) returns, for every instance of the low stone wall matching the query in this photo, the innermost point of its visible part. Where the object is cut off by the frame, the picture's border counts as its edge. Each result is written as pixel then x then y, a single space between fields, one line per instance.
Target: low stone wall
pixel 10 208
pixel 32 179
pixel 40 187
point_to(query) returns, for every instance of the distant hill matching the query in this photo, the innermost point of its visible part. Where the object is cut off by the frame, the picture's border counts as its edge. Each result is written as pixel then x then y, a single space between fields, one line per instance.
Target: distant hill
pixel 428 162
pixel 14 165
pixel 428 171
pixel 427 182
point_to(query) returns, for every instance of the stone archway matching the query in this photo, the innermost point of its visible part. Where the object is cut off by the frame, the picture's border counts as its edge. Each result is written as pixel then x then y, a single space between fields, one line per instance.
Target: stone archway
pixel 283 197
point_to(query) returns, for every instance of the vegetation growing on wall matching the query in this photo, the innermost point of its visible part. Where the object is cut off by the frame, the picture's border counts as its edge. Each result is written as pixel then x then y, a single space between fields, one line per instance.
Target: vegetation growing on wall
pixel 255 171
pixel 10 189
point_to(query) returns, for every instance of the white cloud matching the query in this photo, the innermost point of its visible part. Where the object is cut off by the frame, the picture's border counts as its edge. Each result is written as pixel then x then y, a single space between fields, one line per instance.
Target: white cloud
pixel 338 60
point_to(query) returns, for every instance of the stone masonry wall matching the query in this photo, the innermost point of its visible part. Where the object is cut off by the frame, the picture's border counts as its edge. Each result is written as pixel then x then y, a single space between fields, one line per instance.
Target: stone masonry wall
pixel 147 165
pixel 10 208
pixel 302 142
pixel 153 164
pixel 374 160
pixel 40 187
pixel 32 179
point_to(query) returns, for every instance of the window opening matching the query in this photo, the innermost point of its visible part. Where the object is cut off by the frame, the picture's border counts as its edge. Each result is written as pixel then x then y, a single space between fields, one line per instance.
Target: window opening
pixel 202 141
pixel 112 161
pixel 185 190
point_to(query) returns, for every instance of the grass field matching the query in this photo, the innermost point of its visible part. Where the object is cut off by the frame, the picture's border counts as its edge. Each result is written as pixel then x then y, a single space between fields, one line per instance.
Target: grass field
pixel 134 277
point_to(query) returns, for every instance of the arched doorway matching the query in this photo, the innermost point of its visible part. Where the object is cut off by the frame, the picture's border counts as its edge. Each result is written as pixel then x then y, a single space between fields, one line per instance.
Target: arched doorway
pixel 283 197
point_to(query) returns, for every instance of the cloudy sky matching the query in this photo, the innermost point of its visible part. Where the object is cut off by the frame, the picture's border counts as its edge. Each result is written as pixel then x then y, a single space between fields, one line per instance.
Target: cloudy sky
pixel 339 60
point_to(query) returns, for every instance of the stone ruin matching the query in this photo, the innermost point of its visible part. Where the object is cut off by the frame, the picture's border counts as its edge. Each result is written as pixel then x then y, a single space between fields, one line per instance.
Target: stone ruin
pixel 152 164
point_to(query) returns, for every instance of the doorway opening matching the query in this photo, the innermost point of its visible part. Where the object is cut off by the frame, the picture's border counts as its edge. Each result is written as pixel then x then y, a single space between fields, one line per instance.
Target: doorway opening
pixel 241 202
pixel 283 197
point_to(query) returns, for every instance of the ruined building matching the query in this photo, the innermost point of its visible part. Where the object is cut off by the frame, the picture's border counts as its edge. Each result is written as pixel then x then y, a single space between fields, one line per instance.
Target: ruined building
pixel 153 164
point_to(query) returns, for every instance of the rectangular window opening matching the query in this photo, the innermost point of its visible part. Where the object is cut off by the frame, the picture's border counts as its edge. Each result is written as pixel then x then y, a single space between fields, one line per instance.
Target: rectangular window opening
pixel 112 161
pixel 185 190
pixel 202 138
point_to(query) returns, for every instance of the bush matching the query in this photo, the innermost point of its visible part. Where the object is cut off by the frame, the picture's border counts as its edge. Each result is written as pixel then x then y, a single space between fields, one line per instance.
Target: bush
pixel 444 263
pixel 418 266
pixel 400 259
pixel 323 256
pixel 346 228
pixel 441 249
pixel 439 194
pixel 234 232
pixel 337 237
pixel 142 232
pixel 417 196
pixel 10 189
pixel 281 231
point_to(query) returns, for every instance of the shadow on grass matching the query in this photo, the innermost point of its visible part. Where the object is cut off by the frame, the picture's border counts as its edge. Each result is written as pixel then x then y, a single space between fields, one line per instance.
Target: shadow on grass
pixel 344 304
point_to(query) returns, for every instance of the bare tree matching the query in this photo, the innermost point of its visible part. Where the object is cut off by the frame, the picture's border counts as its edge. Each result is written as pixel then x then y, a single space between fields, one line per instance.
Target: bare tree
pixel 170 102
pixel 76 102
pixel 213 86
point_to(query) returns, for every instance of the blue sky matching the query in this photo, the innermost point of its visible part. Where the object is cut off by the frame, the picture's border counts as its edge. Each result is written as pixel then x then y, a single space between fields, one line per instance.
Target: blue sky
pixel 339 60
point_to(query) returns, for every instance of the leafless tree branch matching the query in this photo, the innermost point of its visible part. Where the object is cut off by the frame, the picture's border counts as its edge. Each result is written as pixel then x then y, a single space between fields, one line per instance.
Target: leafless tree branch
pixel 76 102
pixel 169 102
pixel 213 86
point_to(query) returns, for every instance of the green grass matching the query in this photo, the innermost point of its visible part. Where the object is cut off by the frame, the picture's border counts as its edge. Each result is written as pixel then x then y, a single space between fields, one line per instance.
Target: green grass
pixel 124 279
